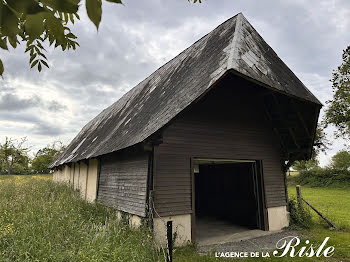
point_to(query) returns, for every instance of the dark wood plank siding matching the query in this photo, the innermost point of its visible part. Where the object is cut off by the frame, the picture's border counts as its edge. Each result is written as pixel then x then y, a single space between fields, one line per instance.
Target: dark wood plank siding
pixel 227 123
pixel 123 182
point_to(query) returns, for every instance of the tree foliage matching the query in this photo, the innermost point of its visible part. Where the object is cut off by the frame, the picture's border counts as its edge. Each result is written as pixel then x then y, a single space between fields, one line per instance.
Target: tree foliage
pixel 45 156
pixel 338 110
pixel 321 144
pixel 14 156
pixel 306 164
pixel 35 22
pixel 341 160
pixel 15 159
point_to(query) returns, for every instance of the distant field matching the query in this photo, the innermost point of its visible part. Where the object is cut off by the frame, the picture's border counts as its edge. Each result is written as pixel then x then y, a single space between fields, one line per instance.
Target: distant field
pixel 292 173
pixel 19 177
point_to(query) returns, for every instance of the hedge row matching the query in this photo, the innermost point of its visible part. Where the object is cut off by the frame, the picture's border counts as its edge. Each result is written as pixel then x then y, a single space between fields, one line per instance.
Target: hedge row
pixel 324 177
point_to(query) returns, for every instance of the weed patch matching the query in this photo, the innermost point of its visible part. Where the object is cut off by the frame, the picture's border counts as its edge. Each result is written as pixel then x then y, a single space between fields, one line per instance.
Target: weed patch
pixel 300 216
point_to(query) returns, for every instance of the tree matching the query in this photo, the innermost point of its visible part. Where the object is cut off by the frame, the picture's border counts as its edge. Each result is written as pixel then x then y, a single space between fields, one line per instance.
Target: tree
pixel 341 160
pixel 35 22
pixel 14 156
pixel 45 156
pixel 306 164
pixel 338 110
pixel 321 144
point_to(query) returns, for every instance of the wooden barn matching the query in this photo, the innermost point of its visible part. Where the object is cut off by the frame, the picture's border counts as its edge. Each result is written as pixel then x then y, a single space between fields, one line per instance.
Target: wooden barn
pixel 204 141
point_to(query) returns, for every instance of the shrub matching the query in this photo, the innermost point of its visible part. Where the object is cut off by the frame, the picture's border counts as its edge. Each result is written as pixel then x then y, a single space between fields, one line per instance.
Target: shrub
pixel 300 217
pixel 324 177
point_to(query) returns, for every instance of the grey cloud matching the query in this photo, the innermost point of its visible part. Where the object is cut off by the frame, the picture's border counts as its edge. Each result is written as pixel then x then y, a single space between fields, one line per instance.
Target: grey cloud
pixel 40 127
pixel 11 102
pixel 19 117
pixel 55 106
pixel 46 129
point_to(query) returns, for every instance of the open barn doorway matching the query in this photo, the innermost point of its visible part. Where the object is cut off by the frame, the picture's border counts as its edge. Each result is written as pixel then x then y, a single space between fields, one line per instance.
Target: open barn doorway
pixel 228 198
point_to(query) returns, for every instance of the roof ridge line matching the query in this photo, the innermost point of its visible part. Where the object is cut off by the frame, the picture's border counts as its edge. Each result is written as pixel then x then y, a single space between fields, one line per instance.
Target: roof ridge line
pixel 233 49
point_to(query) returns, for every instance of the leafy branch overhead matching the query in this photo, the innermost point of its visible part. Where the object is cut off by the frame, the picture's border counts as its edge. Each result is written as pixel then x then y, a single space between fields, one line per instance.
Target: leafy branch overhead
pixel 35 22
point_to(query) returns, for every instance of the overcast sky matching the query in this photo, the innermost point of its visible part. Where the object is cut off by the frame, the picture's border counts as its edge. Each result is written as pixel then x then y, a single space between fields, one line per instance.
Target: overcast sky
pixel 137 38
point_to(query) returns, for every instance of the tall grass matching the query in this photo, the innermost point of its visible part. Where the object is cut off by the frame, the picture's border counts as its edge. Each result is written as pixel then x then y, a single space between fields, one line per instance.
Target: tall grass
pixel 44 221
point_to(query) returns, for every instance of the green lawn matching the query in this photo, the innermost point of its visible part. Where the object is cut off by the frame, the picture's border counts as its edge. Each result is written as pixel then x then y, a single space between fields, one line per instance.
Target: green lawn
pixel 334 203
pixel 44 221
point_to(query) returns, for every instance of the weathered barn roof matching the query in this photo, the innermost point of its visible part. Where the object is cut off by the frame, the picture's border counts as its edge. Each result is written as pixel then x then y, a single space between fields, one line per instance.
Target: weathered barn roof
pixel 234 45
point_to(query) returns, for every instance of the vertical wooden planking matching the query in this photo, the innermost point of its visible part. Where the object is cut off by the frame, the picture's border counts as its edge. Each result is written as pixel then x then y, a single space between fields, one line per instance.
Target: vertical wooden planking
pixel 227 123
pixel 123 182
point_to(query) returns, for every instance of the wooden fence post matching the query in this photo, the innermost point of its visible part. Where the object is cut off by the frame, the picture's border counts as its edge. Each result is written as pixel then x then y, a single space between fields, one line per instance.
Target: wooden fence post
pixel 299 198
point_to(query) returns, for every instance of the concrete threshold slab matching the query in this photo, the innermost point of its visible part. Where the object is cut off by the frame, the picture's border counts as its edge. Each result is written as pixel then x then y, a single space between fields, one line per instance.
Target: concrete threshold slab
pixel 234 237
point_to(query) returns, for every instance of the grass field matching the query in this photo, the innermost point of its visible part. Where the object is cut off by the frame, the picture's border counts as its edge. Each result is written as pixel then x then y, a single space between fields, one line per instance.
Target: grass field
pixel 24 177
pixel 334 203
pixel 44 221
pixel 292 173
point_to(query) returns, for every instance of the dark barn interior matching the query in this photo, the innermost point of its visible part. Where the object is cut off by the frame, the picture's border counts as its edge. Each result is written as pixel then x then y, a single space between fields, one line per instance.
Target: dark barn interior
pixel 226 198
pixel 226 191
